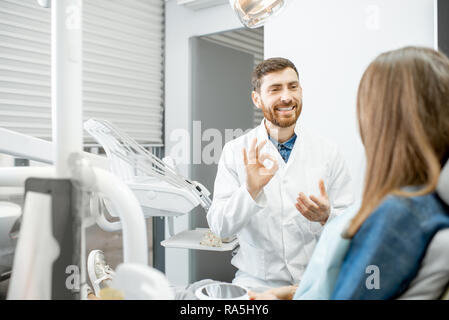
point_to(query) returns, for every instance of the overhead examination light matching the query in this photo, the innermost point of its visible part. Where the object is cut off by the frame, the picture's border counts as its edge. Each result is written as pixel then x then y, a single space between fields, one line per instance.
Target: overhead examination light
pixel 44 3
pixel 254 13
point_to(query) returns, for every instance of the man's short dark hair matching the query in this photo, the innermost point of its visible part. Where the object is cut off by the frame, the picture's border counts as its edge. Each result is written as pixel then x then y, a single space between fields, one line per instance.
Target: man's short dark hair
pixel 269 66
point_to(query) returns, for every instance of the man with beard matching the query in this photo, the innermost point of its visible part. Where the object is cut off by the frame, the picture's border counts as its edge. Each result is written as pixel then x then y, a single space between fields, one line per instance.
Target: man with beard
pixel 277 185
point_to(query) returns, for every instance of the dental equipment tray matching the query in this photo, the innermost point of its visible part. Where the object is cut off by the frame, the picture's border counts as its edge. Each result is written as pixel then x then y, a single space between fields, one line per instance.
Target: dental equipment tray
pixel 190 239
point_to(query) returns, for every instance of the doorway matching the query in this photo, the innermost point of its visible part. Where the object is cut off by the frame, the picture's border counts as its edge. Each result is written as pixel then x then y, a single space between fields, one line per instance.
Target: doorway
pixel 221 70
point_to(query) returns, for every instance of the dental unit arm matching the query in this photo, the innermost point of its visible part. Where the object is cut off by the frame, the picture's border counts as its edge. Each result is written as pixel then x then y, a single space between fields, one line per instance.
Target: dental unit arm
pixel 27 147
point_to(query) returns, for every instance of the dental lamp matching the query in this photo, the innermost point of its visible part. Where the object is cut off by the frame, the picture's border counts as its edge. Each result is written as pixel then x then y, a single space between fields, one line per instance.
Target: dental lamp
pixel 44 3
pixel 254 13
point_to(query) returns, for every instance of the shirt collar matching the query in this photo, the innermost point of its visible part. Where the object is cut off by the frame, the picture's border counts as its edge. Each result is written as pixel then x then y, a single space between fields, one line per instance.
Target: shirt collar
pixel 288 144
pixel 263 131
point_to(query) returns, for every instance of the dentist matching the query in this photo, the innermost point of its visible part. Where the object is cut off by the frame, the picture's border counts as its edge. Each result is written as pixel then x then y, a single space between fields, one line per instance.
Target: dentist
pixel 277 185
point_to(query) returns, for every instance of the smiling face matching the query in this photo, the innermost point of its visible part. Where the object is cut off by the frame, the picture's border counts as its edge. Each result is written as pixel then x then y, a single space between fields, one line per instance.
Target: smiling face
pixel 280 97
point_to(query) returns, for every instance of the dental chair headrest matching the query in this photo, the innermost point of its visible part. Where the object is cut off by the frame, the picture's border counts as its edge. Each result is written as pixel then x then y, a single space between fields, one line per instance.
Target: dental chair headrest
pixel 443 184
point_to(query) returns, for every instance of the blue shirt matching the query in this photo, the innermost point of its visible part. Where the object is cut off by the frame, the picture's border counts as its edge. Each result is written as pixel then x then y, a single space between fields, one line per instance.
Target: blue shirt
pixel 284 148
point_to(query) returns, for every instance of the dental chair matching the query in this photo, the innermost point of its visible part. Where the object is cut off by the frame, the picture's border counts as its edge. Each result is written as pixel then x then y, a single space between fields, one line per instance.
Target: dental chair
pixel 432 280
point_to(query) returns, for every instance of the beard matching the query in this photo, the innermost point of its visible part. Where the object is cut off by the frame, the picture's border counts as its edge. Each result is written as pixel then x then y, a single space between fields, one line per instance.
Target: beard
pixel 281 121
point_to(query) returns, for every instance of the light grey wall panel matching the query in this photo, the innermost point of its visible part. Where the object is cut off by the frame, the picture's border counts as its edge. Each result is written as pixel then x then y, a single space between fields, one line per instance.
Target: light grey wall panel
pixel 246 40
pixel 221 86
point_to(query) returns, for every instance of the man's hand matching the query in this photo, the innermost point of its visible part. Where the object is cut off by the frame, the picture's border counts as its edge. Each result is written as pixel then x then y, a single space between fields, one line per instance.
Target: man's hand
pixel 316 209
pixel 282 293
pixel 257 175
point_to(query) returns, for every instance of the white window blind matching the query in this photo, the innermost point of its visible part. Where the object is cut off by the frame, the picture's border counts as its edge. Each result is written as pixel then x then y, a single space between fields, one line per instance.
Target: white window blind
pixel 122 66
pixel 246 40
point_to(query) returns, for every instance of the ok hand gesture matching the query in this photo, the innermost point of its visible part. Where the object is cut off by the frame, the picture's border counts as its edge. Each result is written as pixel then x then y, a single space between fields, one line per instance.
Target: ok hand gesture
pixel 257 175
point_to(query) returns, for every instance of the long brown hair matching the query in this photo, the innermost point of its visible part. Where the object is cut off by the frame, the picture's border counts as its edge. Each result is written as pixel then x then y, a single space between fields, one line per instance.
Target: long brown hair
pixel 403 114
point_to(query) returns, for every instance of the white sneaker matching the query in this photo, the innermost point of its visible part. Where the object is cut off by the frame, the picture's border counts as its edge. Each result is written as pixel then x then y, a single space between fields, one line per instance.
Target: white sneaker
pixel 100 274
pixel 85 292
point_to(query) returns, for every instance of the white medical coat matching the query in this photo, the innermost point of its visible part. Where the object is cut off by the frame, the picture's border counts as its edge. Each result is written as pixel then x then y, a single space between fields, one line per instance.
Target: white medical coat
pixel 276 240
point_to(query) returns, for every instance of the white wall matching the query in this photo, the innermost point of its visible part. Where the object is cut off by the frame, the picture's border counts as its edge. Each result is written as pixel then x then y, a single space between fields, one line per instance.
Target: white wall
pixel 181 24
pixel 331 43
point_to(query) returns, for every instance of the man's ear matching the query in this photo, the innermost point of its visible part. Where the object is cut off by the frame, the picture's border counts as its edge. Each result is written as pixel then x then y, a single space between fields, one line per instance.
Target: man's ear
pixel 256 99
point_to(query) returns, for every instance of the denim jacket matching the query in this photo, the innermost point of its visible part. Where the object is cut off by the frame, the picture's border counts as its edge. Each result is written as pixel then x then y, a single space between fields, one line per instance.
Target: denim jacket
pixel 385 254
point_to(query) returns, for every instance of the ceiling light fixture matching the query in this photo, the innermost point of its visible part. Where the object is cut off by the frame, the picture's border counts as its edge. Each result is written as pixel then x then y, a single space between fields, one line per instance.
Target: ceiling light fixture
pixel 254 13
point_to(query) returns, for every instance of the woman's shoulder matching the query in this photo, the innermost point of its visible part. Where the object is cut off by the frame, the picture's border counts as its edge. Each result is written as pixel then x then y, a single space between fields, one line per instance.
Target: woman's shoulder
pixel 419 210
pixel 429 204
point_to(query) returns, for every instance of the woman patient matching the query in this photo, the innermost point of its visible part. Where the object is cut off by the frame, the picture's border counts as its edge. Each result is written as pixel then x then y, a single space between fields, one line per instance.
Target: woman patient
pixel 403 115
